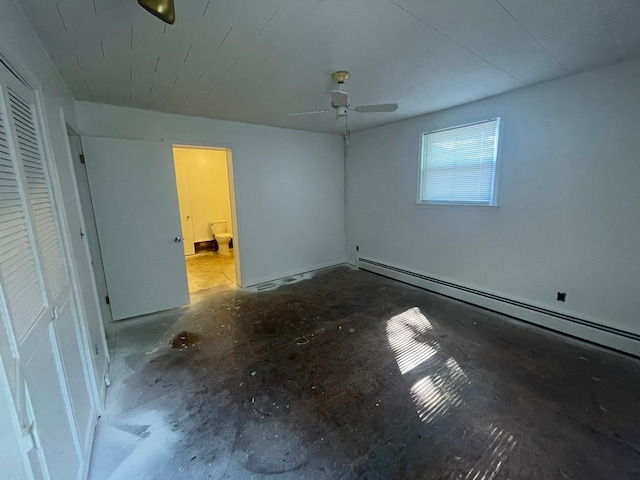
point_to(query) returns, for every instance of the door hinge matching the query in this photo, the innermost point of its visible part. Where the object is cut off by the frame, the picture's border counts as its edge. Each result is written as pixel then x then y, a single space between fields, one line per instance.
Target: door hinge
pixel 30 439
pixel 106 300
pixel 81 158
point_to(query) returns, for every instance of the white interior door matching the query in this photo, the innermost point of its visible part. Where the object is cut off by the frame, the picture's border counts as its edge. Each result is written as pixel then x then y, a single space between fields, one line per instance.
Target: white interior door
pixel 47 368
pixel 135 201
pixel 184 200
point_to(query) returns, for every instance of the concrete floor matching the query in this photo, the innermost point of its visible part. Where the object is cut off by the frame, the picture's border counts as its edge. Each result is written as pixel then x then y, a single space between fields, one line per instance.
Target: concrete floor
pixel 210 269
pixel 350 375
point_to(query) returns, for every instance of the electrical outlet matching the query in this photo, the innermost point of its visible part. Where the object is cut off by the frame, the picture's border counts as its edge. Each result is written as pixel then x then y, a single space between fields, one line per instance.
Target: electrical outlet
pixel 562 296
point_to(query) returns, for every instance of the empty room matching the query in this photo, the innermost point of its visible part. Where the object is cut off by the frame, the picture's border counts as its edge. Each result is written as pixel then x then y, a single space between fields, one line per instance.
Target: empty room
pixel 319 239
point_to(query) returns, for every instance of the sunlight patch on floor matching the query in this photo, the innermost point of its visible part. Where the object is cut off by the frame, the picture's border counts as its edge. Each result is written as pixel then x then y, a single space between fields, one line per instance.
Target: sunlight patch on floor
pixel 501 443
pixel 438 392
pixel 410 336
pixel 403 331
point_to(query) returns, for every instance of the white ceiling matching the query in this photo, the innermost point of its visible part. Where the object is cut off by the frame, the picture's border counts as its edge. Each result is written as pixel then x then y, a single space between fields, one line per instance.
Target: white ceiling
pixel 258 60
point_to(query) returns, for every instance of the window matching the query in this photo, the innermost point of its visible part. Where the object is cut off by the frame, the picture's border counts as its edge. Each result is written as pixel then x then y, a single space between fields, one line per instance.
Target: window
pixel 459 164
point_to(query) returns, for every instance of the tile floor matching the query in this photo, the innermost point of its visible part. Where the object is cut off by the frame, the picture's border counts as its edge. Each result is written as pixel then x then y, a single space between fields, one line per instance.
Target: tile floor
pixel 210 269
pixel 349 375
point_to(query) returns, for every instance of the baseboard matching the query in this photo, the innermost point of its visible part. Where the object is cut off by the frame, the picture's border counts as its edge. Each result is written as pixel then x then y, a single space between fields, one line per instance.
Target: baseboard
pixel 299 271
pixel 583 329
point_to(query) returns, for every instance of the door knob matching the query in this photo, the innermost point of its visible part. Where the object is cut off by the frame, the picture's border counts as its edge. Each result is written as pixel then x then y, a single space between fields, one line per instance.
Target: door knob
pixel 177 239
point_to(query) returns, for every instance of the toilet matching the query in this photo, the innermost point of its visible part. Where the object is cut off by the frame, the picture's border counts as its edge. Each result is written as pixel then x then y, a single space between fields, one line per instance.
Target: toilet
pixel 219 232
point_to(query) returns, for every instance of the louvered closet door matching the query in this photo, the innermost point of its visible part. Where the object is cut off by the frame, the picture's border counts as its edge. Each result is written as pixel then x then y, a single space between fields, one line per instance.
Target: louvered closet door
pixel 47 362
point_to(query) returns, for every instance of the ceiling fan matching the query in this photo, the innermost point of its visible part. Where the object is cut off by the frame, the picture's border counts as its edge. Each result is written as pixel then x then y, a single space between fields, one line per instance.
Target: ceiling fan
pixel 340 101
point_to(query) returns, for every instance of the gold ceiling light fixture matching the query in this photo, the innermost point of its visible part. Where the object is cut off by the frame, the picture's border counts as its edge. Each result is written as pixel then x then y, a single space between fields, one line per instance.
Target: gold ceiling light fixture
pixel 163 9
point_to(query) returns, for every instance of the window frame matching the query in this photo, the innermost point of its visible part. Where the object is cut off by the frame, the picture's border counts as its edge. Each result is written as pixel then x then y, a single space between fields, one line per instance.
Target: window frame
pixel 493 203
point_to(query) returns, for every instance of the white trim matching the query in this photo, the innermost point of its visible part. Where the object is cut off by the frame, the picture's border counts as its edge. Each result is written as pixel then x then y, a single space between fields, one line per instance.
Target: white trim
pixel 234 217
pixel 298 271
pixel 235 229
pixel 468 207
pixel 17 72
pixel 469 124
pixel 585 332
pixel 493 198
pixel 16 430
pixel 77 307
pixel 96 384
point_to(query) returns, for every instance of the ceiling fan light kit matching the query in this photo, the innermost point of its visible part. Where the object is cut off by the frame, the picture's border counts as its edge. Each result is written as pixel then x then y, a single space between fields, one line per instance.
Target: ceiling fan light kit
pixel 163 9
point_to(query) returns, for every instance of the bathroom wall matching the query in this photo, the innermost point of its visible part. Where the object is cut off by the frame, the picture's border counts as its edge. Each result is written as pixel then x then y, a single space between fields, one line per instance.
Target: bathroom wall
pixel 208 188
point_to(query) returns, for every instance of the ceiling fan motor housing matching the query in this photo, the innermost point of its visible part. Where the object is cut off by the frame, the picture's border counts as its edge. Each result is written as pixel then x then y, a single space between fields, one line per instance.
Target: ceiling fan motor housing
pixel 340 76
pixel 341 112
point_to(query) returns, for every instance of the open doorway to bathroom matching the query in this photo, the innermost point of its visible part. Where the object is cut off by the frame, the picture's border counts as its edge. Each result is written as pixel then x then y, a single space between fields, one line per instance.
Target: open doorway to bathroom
pixel 204 177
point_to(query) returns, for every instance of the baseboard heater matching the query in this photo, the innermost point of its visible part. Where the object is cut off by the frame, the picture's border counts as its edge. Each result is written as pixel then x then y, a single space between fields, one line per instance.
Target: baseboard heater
pixel 577 327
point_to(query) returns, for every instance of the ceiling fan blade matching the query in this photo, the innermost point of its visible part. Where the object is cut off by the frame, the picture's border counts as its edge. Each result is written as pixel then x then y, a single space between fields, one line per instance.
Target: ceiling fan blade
pixel 307 113
pixel 339 98
pixel 383 107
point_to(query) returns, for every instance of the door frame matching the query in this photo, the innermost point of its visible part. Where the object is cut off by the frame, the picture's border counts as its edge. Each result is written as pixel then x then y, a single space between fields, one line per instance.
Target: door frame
pixel 100 378
pixel 77 304
pixel 228 148
pixel 106 313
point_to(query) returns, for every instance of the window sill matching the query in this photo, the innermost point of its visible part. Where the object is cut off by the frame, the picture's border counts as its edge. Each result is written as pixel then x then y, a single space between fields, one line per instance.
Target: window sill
pixel 459 207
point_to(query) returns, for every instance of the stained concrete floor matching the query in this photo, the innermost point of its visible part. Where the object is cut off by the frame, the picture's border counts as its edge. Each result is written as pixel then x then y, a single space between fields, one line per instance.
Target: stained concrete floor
pixel 210 269
pixel 348 375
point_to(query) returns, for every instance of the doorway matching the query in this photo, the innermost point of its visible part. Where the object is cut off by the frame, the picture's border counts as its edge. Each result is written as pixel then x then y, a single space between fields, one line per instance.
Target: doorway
pixel 206 202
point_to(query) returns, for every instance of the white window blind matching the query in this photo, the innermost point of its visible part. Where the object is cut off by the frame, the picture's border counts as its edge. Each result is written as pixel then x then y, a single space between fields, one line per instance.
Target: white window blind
pixel 459 164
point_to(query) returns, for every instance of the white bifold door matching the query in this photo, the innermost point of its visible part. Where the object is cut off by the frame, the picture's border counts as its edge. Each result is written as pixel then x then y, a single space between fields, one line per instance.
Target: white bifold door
pixel 135 201
pixel 42 348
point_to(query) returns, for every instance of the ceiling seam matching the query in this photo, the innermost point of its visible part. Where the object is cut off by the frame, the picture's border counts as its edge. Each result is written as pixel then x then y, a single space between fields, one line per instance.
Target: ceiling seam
pixel 270 18
pixel 313 8
pixel 606 22
pixel 506 10
pixel 64 25
pixel 205 9
pixel 225 37
pixel 454 41
pixel 188 52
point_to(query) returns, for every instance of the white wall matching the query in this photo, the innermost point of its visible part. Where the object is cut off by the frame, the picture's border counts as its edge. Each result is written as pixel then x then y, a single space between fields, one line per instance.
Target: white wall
pixel 289 184
pixel 207 184
pixel 569 196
